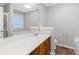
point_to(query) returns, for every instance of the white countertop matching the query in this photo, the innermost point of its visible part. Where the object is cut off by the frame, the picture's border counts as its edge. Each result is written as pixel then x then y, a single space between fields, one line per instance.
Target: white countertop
pixel 21 44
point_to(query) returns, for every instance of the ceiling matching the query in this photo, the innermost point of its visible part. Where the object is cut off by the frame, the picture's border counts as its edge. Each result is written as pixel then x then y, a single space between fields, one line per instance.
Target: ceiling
pixel 20 6
pixel 46 4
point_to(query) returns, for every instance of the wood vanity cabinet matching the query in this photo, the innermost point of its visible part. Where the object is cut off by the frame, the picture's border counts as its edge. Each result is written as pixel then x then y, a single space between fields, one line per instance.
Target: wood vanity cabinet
pixel 44 48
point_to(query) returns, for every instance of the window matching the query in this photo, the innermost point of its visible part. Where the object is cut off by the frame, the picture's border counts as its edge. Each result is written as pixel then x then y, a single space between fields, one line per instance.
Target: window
pixel 18 21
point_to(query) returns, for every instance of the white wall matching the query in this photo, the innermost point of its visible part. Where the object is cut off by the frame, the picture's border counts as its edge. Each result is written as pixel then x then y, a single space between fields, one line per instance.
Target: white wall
pixel 43 13
pixel 65 17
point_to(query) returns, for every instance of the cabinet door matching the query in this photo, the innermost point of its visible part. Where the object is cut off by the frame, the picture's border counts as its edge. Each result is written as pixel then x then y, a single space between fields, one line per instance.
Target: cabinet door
pixel 48 46
pixel 43 52
pixel 42 49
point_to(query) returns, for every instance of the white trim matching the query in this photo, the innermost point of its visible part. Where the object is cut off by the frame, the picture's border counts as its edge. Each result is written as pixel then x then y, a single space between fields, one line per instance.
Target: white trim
pixel 75 50
pixel 68 47
pixel 65 46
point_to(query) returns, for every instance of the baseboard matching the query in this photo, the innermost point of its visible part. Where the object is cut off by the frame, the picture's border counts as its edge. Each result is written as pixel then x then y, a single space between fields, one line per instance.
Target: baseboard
pixel 68 47
pixel 65 46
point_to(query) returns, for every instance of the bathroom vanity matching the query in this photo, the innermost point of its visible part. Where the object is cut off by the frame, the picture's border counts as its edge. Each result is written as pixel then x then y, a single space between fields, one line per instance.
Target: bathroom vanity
pixel 44 48
pixel 26 44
